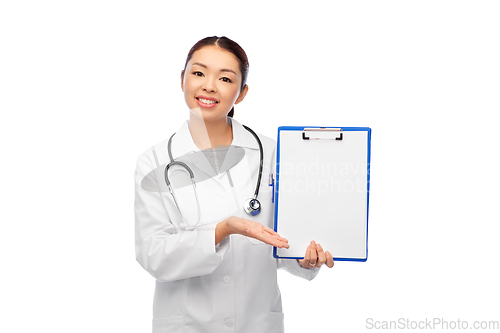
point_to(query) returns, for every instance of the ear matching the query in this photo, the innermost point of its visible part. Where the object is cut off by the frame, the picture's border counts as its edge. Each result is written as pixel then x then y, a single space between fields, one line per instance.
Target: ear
pixel 242 95
pixel 182 80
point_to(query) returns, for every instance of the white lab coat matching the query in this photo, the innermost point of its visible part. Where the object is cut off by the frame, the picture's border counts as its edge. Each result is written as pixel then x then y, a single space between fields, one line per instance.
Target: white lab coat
pixel 202 287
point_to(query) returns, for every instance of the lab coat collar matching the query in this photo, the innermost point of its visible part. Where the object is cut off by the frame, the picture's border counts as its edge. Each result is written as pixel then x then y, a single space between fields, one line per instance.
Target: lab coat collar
pixel 242 137
pixel 182 142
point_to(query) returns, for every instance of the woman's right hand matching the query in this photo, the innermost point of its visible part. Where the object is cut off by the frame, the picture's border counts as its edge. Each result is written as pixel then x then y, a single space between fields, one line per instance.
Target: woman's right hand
pixel 249 228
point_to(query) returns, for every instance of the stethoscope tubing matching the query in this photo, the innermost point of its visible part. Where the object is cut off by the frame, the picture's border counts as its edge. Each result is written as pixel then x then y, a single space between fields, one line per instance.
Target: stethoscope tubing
pixel 261 151
pixel 253 204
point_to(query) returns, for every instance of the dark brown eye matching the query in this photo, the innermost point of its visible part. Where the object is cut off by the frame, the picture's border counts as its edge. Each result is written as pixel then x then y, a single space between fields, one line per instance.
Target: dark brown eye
pixel 198 73
pixel 226 79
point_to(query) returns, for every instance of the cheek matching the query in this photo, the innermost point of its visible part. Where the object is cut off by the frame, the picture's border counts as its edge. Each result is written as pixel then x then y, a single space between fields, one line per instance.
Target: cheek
pixel 188 94
pixel 231 93
pixel 188 85
pixel 189 90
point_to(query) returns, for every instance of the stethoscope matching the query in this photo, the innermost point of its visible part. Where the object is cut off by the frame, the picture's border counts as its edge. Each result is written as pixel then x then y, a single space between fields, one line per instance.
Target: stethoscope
pixel 251 206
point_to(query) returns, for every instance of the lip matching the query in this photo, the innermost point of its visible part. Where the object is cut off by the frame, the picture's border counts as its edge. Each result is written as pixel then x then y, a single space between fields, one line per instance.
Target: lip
pixel 203 105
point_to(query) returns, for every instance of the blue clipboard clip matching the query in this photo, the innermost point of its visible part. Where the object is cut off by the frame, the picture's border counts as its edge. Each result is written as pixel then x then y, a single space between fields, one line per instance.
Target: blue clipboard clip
pixel 322 129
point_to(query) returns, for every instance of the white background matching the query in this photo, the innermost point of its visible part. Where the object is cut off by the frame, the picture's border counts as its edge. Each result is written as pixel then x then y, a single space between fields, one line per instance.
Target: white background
pixel 86 86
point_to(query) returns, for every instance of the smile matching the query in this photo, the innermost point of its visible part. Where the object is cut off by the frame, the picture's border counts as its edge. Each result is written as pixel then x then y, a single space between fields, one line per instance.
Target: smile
pixel 207 101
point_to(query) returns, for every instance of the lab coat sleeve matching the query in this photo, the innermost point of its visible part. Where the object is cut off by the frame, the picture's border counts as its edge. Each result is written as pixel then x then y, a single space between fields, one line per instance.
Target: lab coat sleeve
pixel 294 268
pixel 291 265
pixel 166 253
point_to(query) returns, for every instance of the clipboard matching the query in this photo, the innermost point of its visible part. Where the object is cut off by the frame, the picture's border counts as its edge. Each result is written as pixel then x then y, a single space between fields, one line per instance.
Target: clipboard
pixel 322 190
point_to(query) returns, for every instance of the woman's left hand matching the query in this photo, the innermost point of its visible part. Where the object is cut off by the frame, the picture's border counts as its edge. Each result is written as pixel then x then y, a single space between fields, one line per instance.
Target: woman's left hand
pixel 316 257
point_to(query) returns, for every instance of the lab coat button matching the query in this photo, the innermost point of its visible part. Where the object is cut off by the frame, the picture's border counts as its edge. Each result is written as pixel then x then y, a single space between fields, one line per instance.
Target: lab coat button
pixel 229 323
pixel 226 279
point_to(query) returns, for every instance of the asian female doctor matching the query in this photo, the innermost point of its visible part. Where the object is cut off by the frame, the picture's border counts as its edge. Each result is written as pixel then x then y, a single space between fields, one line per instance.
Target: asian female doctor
pixel 212 261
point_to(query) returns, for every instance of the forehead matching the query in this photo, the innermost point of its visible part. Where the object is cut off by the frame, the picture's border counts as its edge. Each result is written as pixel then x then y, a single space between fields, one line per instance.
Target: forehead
pixel 215 58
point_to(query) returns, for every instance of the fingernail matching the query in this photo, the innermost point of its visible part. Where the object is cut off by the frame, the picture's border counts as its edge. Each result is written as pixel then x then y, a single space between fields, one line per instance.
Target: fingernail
pixel 312 243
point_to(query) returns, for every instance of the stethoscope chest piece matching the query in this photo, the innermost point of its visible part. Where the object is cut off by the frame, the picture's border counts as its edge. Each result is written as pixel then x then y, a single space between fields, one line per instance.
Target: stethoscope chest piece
pixel 252 206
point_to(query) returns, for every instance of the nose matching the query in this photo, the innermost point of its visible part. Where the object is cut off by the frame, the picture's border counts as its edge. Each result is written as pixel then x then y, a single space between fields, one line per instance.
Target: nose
pixel 209 85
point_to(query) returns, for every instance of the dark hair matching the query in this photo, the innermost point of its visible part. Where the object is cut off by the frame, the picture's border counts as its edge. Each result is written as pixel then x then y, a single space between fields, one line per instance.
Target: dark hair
pixel 228 45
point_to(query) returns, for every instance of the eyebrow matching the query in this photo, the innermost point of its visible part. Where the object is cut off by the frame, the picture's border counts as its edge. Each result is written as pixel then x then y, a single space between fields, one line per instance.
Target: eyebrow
pixel 222 70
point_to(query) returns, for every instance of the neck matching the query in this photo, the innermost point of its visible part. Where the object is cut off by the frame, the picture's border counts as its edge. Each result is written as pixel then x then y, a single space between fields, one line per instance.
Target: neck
pixel 210 134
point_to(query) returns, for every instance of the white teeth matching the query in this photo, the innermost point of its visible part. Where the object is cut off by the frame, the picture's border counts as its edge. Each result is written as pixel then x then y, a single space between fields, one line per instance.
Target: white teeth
pixel 206 101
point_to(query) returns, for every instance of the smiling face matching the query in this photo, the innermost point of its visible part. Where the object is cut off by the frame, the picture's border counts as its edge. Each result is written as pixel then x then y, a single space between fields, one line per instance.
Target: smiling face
pixel 212 82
